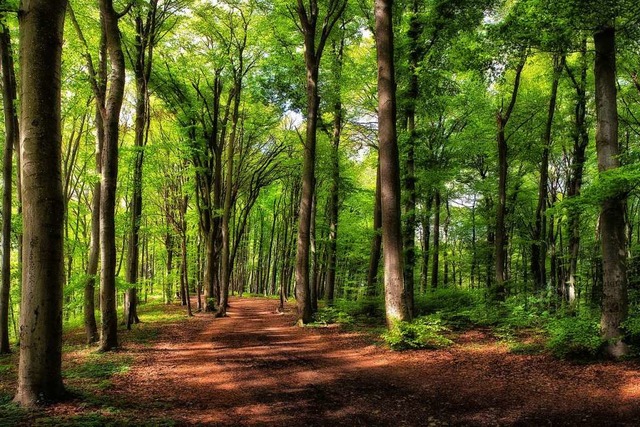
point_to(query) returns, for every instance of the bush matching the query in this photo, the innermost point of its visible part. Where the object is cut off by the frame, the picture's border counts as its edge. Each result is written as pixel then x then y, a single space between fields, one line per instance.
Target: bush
pixel 575 337
pixel 447 300
pixel 423 332
pixel 631 327
pixel 327 315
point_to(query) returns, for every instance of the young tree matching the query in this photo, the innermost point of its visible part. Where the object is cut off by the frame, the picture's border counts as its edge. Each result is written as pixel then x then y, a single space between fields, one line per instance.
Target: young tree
pixel 98 80
pixel 502 118
pixel 395 298
pixel 39 375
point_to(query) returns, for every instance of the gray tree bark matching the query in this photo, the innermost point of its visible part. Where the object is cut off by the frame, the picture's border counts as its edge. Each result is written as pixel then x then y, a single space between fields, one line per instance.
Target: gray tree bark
pixel 612 214
pixel 39 374
pixel 394 290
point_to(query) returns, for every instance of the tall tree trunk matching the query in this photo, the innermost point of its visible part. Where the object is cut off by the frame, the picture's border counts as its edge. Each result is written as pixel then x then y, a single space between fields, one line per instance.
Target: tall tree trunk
pixel 226 215
pixel 395 292
pixel 144 44
pixel 11 140
pixel 612 214
pixel 426 240
pixel 98 79
pixel 498 291
pixel 108 256
pixel 539 247
pixel 334 201
pixel 435 266
pixel 410 177
pixel 41 36
pixel 303 291
pixel 580 143
pixel 312 55
pixel 376 241
pixel 334 195
pixel 90 325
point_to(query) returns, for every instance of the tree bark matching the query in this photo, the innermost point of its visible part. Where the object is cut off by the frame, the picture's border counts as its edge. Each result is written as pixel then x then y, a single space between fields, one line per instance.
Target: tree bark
pixel 226 215
pixel 108 183
pixel 11 141
pixel 410 165
pixel 312 56
pixel 435 266
pixel 612 214
pixel 580 143
pixel 498 291
pixel 539 246
pixel 41 37
pixel 426 239
pixel 395 292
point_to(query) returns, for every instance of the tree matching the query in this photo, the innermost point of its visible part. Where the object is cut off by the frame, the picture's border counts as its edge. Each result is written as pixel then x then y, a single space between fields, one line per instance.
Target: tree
pixel 612 214
pixel 40 376
pixel 395 297
pixel 108 183
pixel 502 118
pixel 308 17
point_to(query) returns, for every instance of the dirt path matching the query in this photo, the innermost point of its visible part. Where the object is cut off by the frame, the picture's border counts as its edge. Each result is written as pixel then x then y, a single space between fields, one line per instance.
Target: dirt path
pixel 255 368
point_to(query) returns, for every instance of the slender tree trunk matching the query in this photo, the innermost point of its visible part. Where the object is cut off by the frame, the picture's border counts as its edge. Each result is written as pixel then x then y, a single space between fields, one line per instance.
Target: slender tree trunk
pixel 334 204
pixel 395 292
pixel 334 194
pixel 539 247
pixel 308 16
pixel 313 288
pixel 612 215
pixel 90 325
pixel 435 266
pixel 144 44
pixel 41 36
pixel 410 177
pixel 580 143
pixel 11 140
pixel 498 291
pixel 108 256
pixel 426 240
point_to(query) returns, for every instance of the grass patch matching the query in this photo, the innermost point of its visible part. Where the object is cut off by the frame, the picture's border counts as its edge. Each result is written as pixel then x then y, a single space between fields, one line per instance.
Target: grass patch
pixel 99 367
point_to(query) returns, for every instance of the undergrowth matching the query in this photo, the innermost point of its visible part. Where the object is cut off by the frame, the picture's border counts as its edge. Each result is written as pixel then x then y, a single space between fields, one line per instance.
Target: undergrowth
pixel 421 333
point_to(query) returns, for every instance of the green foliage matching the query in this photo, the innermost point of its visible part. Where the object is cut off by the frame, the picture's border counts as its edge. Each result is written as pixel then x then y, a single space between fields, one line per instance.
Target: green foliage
pixel 422 333
pixel 575 336
pixel 10 413
pixel 328 315
pixel 631 327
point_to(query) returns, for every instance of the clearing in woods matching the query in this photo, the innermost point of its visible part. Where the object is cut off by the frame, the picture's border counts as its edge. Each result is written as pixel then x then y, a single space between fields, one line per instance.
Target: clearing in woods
pixel 255 368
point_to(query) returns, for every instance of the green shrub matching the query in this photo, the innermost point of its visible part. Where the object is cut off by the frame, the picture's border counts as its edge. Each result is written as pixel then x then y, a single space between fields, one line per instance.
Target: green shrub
pixel 631 327
pixel 575 337
pixel 447 300
pixel 327 315
pixel 423 332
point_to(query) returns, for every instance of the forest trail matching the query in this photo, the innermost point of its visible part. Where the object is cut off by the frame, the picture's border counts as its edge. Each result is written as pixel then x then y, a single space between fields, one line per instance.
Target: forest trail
pixel 255 368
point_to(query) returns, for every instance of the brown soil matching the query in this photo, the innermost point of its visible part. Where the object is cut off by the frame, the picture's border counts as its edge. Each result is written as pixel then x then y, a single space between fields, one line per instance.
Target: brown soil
pixel 256 368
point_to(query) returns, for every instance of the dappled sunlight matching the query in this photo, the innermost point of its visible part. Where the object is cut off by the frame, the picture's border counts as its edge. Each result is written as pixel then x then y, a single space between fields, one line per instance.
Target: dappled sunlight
pixel 255 368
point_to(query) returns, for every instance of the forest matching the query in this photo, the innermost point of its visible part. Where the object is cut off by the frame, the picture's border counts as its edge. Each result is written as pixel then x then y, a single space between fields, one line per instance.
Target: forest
pixel 320 212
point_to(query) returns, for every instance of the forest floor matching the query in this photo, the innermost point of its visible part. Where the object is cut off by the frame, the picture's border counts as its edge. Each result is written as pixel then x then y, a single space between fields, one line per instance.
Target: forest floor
pixel 255 367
